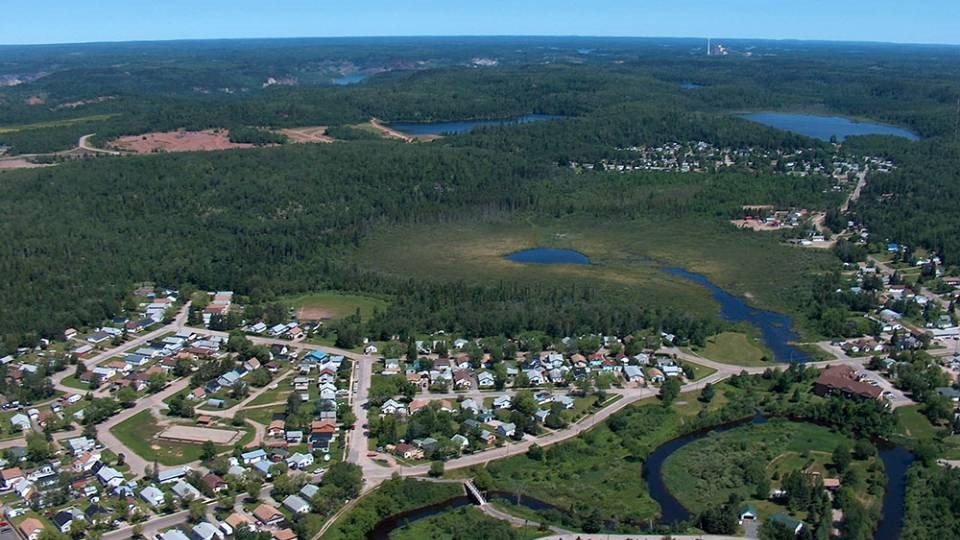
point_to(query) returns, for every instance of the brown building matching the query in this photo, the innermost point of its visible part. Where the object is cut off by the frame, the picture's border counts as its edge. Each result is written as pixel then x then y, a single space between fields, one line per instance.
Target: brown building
pixel 842 381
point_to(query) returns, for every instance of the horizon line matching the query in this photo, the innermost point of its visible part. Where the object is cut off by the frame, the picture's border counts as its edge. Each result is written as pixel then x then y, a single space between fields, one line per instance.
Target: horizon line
pixel 469 36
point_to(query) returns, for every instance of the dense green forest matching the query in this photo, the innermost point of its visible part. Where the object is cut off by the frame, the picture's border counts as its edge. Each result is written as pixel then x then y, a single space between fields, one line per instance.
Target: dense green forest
pixel 932 506
pixel 284 219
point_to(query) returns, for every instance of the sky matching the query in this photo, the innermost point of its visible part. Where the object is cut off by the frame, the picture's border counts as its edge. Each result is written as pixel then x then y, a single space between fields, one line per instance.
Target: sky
pixel 72 21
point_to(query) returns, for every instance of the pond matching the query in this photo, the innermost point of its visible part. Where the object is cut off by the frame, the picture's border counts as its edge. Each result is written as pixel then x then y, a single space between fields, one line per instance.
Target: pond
pixel 824 127
pixel 776 329
pixel 548 256
pixel 896 460
pixel 453 128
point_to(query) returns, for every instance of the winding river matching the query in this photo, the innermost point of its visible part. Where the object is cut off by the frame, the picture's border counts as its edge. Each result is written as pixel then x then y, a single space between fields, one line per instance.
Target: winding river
pixel 896 460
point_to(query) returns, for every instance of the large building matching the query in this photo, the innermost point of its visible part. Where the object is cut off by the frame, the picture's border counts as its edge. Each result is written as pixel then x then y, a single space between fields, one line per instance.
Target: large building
pixel 843 381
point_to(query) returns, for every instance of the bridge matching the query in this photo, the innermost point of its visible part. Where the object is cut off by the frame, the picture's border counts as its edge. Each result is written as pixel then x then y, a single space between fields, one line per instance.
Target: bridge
pixel 474 493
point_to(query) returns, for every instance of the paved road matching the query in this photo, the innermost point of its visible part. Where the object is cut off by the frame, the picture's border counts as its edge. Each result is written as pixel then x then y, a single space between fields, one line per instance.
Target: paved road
pixel 84 144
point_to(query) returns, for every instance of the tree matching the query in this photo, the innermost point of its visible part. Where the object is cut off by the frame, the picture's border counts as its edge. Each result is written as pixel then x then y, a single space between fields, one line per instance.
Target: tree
pixel 208 450
pixel 436 469
pixel 197 511
pixel 127 396
pixel 253 486
pixel 535 452
pixel 841 457
pixel 669 391
pixel 121 459
pixel 706 395
pixel 38 448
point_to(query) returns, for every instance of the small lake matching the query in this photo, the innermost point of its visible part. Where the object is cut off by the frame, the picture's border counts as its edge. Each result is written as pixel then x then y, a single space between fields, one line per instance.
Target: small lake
pixel 776 329
pixel 453 128
pixel 548 256
pixel 353 78
pixel 824 127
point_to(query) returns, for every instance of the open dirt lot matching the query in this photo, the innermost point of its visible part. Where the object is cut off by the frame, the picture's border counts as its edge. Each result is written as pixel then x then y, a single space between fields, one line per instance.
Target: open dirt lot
pixel 19 164
pixel 199 434
pixel 178 141
pixel 314 134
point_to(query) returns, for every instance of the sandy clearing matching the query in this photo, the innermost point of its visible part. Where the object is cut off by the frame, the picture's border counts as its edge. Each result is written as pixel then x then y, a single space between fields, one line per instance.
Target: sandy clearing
pixel 313 314
pixel 310 134
pixel 21 163
pixel 198 434
pixel 178 141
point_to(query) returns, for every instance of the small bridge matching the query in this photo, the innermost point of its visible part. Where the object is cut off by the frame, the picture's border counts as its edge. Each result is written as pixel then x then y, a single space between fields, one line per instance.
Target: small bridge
pixel 474 493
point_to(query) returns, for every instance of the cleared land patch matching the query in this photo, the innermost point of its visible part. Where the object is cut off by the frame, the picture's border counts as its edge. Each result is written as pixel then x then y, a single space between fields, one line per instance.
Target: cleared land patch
pixel 332 305
pixel 314 134
pixel 198 434
pixel 734 348
pixel 178 141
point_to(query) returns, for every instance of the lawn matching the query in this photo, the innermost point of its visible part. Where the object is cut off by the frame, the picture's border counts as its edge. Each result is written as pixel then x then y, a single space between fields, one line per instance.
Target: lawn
pixel 626 257
pixel 704 473
pixel 735 348
pixel 263 415
pixel 273 395
pixel 333 305
pixel 465 523
pixel 699 372
pixel 73 382
pixel 914 426
pixel 139 434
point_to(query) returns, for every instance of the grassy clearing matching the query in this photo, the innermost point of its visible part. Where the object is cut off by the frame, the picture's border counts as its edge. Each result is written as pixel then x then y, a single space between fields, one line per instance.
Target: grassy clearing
pixel 626 258
pixel 602 468
pixel 139 434
pixel 735 348
pixel 335 305
pixel 914 426
pixel 57 123
pixel 73 382
pixel 704 473
pixel 273 395
pixel 699 372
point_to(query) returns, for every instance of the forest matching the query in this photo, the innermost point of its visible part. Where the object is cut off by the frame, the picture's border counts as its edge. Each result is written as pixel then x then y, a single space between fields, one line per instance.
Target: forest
pixel 285 219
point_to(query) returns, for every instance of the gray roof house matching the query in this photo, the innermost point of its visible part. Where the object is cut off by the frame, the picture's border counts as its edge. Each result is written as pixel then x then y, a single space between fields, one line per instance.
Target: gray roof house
pixel 296 505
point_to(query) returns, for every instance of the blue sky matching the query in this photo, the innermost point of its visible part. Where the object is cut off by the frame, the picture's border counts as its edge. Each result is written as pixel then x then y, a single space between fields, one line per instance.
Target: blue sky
pixel 69 21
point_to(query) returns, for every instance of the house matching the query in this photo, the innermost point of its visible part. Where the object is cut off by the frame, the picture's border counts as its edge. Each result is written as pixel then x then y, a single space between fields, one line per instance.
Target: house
pixel 267 515
pixel 276 429
pixel 950 393
pixel 278 330
pixel 633 374
pixel 172 475
pixel 535 376
pixel 197 394
pixel 186 491
pixel 502 402
pixel 787 522
pixel 408 451
pixel 392 406
pixel 485 379
pixel 655 375
pixel 258 328
pixel 284 534
pixel 79 445
pixel 506 429
pixel 300 461
pixel 296 505
pixel 237 520
pixel 204 531
pixel 462 379
pixel 460 441
pixel 97 514
pixel 86 461
pixel 488 438
pixel 152 496
pixel 174 534
pixel 309 491
pixel 391 366
pixel 842 380
pixel 370 349
pixel 254 456
pixel 748 513
pixel 541 415
pixel 20 421
pixel 567 401
pixel 63 519
pixel 109 477
pixel 214 482
pixel 31 528
pixel 10 477
pixel 294 437
pixel 322 433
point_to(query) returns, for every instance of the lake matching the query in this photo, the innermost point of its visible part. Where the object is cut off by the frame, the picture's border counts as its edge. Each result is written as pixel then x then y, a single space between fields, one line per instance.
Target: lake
pixel 776 329
pixel 548 256
pixel 453 128
pixel 824 127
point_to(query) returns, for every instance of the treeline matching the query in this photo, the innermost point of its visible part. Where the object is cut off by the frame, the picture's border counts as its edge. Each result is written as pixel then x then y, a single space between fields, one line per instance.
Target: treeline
pixel 932 503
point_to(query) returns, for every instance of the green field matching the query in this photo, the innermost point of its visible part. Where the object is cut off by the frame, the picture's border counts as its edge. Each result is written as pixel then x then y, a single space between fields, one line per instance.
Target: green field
pixel 914 426
pixel 466 523
pixel 626 258
pixel 334 305
pixel 56 123
pixel 704 473
pixel 734 348
pixel 139 431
